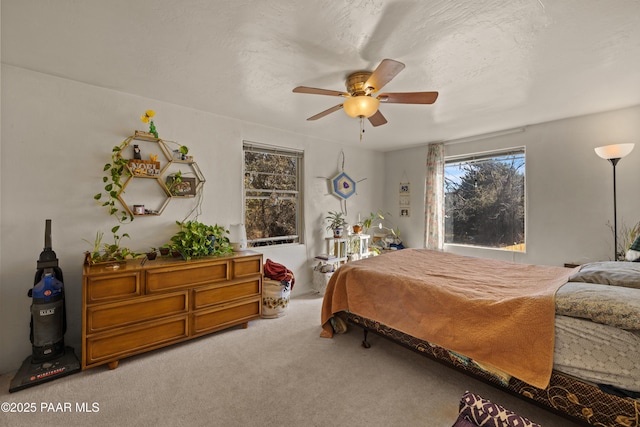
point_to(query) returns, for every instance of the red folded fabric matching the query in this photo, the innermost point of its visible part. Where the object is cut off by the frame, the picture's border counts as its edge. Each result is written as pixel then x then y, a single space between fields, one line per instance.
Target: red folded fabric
pixel 276 271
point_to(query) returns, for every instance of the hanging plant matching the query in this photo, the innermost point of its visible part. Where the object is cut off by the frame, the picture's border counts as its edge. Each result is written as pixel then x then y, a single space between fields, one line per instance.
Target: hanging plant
pixel 113 180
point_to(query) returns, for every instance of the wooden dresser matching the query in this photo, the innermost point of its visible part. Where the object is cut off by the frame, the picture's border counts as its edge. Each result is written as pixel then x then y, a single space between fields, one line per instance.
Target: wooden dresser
pixel 136 308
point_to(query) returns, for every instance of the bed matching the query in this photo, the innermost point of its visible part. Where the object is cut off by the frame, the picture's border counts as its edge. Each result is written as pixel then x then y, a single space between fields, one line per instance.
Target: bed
pixel 567 339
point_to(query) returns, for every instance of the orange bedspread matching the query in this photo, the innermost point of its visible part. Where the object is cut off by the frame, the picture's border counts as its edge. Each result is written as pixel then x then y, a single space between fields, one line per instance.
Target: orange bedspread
pixel 496 312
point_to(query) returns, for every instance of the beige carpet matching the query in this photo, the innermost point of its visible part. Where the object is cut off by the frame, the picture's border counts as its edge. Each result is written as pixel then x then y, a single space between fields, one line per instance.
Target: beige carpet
pixel 278 372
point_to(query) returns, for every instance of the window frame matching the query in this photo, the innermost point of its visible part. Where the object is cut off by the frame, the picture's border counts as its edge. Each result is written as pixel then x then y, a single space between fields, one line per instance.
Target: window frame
pixel 298 192
pixel 481 156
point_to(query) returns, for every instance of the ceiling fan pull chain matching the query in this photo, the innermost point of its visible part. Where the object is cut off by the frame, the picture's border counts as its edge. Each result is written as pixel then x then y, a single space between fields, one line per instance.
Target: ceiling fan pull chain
pixel 361 127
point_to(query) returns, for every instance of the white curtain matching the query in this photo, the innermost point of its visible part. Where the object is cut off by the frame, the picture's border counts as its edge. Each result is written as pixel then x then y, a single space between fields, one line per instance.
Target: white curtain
pixel 434 198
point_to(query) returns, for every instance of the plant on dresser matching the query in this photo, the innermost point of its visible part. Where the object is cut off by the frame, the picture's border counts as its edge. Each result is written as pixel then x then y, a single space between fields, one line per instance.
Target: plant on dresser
pixel 196 239
pixel 109 252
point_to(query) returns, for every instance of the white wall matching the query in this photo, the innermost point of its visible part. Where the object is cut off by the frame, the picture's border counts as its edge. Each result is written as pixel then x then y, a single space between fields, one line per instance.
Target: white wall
pixel 56 136
pixel 569 189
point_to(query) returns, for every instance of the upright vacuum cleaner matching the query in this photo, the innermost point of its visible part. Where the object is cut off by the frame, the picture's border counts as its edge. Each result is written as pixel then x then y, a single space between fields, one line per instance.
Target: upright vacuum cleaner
pixel 50 358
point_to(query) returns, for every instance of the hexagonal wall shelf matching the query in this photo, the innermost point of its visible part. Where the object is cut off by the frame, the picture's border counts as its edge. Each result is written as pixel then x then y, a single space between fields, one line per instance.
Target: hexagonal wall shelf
pixel 146 208
pixel 155 170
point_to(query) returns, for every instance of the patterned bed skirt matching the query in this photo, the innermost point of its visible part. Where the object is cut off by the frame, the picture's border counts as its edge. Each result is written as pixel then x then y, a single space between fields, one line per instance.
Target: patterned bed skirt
pixel 565 395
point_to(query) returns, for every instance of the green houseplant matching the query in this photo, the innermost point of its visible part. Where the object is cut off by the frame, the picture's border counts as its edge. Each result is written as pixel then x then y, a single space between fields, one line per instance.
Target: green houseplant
pixel 368 221
pixel 336 223
pixel 174 181
pixel 152 254
pixel 196 239
pixel 113 182
pixel 109 252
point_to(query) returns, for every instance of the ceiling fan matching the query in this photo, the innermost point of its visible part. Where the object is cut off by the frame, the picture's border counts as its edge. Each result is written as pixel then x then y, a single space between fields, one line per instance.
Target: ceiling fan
pixel 361 85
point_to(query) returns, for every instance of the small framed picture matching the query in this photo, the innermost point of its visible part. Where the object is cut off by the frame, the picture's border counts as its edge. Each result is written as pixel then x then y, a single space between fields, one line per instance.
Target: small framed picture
pixel 405 212
pixel 405 200
pixel 182 187
pixel 405 188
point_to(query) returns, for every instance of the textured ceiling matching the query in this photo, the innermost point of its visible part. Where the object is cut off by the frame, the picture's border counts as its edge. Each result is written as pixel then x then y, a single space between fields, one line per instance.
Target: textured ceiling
pixel 498 64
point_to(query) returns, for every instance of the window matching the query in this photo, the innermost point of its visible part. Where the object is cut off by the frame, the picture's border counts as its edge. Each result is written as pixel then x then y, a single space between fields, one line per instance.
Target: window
pixel 272 194
pixel 484 200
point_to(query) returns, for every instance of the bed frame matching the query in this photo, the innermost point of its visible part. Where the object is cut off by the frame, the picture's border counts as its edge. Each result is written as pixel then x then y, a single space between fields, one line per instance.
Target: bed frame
pixel 567 396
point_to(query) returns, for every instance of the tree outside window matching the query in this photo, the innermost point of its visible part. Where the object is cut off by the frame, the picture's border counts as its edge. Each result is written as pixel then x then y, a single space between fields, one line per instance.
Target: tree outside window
pixel 485 200
pixel 272 197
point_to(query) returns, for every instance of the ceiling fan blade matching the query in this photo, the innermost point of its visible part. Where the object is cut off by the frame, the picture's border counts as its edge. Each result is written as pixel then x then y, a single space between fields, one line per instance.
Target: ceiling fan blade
pixel 408 97
pixel 382 75
pixel 377 119
pixel 316 91
pixel 326 112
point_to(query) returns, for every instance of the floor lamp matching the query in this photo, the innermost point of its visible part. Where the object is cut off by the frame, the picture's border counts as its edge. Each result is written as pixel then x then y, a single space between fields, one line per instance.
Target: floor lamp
pixel 614 153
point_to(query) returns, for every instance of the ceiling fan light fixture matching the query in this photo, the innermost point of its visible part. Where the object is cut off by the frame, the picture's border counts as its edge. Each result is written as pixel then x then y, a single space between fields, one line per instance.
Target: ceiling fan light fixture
pixel 361 106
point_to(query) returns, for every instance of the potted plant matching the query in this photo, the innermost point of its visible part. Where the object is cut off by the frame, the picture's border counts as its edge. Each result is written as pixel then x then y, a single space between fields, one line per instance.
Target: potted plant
pixel 196 239
pixel 152 254
pixel 147 117
pixel 109 252
pixel 368 221
pixel 175 251
pixel 336 223
pixel 220 242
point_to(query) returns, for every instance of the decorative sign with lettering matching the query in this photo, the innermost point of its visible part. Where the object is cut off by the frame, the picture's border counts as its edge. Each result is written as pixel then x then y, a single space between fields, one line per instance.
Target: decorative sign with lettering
pixel 144 167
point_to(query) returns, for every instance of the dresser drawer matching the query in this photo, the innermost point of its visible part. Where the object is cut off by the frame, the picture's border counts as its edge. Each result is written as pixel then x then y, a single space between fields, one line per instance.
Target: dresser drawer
pixel 247 267
pixel 131 341
pixel 115 315
pixel 177 277
pixel 216 294
pixel 223 317
pixel 112 287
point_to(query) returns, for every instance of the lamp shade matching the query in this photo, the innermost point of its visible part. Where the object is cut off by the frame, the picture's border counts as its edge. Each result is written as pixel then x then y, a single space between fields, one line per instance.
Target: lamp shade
pixel 361 106
pixel 615 151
